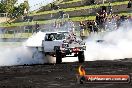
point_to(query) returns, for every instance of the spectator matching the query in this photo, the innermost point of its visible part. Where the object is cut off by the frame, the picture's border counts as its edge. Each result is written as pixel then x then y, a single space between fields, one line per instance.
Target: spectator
pixel 97 18
pixel 82 25
pixel 118 20
pixel 90 26
pixel 51 6
pixel 37 27
pixel 61 13
pixel 92 1
pixel 103 22
pixel 95 28
pixel 130 18
pixel 104 13
pixel 129 4
pixel 110 8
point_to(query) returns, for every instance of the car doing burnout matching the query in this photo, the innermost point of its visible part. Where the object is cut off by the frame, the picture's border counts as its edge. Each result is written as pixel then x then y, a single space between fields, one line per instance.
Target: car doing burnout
pixel 63 44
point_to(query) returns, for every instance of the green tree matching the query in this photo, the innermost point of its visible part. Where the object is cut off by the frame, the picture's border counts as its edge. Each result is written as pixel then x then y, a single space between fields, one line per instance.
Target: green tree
pixel 2 9
pixel 8 6
pixel 22 7
pixel 26 5
pixel 1 6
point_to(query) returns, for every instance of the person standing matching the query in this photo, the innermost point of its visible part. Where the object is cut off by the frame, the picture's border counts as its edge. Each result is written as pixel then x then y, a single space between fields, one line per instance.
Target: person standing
pixel 82 28
pixel 129 4
pixel 37 27
pixel 110 8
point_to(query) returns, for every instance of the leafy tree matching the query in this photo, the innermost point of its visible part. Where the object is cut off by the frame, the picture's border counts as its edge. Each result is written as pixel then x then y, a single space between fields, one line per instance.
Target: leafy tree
pixel 18 11
pixel 22 7
pixel 2 7
pixel 8 6
pixel 26 5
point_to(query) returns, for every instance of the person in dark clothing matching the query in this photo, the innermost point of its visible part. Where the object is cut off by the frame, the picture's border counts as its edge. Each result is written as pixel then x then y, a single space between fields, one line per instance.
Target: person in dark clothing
pixel 37 27
pixel 51 6
pixel 122 18
pixel 97 18
pixel 129 4
pixel 92 1
pixel 95 29
pixel 61 13
pixel 110 8
pixel 90 26
pixel 104 13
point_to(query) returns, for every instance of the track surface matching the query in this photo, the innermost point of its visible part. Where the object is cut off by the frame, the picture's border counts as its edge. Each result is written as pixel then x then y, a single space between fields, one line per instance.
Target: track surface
pixel 62 75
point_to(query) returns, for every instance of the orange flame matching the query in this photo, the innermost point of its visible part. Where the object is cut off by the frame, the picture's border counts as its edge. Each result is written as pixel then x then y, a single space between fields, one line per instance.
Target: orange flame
pixel 81 71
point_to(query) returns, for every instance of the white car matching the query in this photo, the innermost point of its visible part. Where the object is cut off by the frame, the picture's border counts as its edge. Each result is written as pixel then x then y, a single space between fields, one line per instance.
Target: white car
pixel 59 45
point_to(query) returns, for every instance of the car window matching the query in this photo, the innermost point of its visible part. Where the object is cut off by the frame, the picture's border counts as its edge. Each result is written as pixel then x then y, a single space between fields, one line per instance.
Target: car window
pixel 59 37
pixel 49 37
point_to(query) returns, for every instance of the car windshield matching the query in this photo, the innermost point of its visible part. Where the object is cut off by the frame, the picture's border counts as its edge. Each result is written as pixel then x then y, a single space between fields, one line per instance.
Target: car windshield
pixel 54 36
pixel 59 37
pixel 65 34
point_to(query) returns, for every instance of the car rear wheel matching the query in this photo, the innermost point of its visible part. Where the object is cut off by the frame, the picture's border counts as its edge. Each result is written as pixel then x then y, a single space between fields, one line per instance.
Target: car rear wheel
pixel 58 57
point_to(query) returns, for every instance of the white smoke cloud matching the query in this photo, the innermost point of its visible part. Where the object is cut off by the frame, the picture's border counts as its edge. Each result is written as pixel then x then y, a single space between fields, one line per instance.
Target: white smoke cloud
pixel 19 56
pixel 35 40
pixel 117 44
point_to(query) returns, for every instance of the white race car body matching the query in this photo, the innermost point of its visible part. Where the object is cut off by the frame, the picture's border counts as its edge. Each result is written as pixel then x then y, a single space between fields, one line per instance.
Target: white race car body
pixel 49 45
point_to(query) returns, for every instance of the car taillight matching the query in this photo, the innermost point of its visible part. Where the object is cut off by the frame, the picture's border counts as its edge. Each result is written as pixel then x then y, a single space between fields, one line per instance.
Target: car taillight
pixel 75 49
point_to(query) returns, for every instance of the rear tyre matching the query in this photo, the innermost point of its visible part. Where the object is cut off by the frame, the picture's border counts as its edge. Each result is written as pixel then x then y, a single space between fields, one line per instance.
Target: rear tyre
pixel 81 57
pixel 58 57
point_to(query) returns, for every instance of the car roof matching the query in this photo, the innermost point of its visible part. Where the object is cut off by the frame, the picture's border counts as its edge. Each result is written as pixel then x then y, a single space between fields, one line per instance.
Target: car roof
pixel 52 33
pixel 63 32
pixel 58 32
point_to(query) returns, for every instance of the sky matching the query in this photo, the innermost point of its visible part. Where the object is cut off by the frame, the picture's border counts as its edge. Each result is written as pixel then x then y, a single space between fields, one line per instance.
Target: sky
pixel 36 4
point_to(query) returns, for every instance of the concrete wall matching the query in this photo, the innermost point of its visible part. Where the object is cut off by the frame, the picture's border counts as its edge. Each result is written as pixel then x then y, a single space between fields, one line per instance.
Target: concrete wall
pixel 66 0
pixel 42 17
pixel 89 11
pixel 79 3
pixel 46 16
pixel 121 8
pixel 70 5
pixel 81 12
pixel 85 2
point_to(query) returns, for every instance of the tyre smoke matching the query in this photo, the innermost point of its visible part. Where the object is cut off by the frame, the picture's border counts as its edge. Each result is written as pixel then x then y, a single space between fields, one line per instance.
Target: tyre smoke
pixel 22 55
pixel 35 40
pixel 19 56
pixel 115 44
